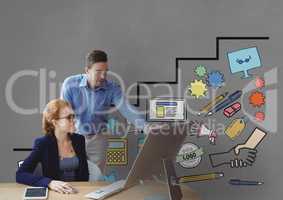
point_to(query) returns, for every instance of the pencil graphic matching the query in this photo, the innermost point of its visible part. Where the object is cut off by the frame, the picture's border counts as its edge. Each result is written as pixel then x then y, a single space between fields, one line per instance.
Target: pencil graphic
pixel 212 103
pixel 201 177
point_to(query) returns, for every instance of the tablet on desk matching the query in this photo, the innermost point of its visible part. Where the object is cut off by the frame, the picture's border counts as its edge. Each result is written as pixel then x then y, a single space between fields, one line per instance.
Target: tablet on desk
pixel 35 193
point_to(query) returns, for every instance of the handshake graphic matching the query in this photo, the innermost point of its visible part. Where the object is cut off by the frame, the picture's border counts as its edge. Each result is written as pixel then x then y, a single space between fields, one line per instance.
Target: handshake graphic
pixel 242 155
pixel 236 157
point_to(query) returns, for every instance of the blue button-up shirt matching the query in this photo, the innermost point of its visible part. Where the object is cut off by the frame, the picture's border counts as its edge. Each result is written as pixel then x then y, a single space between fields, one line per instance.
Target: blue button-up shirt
pixel 92 106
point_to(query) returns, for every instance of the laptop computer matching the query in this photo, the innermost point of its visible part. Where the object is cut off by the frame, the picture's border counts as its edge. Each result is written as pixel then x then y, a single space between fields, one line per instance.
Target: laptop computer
pixel 163 141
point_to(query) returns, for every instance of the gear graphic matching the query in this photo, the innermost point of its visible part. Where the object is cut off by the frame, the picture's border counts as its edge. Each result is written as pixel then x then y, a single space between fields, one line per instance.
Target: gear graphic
pixel 257 99
pixel 200 71
pixel 259 82
pixel 215 79
pixel 197 88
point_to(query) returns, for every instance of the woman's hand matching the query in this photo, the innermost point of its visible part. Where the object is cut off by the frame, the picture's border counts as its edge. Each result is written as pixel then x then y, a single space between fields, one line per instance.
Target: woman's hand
pixel 62 187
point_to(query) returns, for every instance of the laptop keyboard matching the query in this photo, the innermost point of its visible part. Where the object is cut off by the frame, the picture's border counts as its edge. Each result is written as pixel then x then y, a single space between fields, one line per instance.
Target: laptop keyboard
pixel 106 191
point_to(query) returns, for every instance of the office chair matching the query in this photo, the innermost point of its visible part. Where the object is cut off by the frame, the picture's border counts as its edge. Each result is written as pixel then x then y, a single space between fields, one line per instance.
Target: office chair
pixel 37 171
pixel 94 171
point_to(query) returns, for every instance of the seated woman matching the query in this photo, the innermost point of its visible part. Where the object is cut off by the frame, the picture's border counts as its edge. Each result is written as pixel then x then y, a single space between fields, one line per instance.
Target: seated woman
pixel 61 152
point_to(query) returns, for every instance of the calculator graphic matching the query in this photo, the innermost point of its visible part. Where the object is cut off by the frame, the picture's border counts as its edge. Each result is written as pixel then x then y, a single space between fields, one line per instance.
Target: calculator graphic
pixel 117 152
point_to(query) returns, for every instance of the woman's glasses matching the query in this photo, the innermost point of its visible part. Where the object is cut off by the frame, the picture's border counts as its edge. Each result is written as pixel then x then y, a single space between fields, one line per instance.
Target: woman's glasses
pixel 68 117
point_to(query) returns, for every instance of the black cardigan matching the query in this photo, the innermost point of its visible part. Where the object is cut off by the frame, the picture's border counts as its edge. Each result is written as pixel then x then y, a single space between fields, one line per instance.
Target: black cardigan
pixel 45 151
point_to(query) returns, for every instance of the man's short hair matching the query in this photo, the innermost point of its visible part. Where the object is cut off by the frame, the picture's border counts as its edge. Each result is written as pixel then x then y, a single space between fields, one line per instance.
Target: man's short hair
pixel 95 56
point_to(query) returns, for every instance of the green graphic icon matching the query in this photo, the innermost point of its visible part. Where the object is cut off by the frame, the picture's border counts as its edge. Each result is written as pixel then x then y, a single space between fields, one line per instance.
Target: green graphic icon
pixel 200 71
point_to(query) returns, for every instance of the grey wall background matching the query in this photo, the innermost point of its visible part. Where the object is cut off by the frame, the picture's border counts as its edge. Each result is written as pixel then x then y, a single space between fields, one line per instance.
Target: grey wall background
pixel 142 38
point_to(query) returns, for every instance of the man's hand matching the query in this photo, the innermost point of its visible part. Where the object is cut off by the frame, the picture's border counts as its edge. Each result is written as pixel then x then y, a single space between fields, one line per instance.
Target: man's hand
pixel 62 187
pixel 245 157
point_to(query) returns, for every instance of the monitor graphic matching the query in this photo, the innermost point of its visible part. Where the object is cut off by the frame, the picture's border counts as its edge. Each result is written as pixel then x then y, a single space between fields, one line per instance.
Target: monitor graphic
pixel 244 60
pixel 166 109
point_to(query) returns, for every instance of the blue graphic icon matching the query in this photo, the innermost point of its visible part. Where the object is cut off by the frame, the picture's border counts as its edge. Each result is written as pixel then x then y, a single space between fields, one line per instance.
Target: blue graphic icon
pixel 244 60
pixel 215 79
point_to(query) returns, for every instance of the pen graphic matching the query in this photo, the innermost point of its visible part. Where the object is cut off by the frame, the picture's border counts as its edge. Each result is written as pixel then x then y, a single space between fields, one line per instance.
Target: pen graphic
pixel 230 99
pixel 212 103
pixel 244 182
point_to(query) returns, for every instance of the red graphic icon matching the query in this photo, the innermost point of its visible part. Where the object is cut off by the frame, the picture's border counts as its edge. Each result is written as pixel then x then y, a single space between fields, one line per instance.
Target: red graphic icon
pixel 260 116
pixel 257 99
pixel 259 83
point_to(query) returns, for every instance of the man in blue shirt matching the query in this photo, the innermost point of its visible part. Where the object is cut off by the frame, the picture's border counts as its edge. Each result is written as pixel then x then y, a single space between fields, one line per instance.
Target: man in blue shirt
pixel 91 96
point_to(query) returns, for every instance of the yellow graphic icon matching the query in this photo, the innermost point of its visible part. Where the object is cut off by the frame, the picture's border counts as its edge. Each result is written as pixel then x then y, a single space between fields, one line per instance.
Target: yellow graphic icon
pixel 197 88
pixel 235 128
pixel 117 152
pixel 160 111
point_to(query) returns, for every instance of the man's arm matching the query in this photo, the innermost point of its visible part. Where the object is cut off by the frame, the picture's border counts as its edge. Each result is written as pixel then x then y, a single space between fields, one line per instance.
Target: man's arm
pixel 127 110
pixel 65 92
